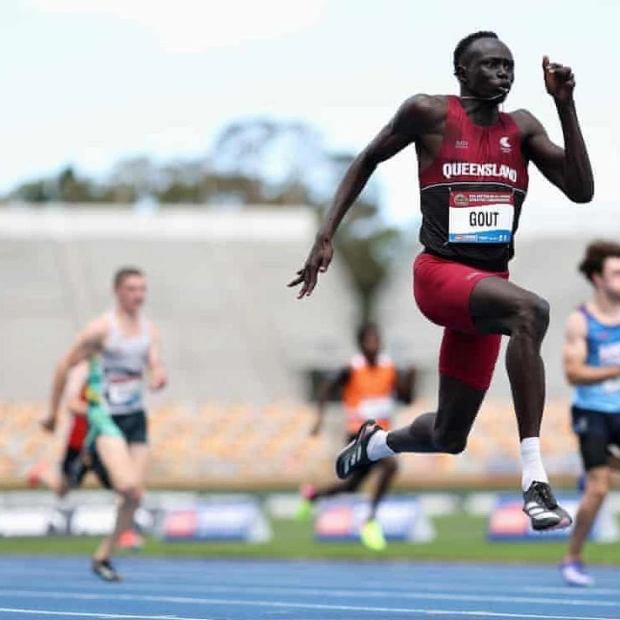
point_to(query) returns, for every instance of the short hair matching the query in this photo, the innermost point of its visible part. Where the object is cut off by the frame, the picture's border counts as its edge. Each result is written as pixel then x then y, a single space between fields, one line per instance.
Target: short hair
pixel 596 253
pixel 125 272
pixel 364 329
pixel 464 44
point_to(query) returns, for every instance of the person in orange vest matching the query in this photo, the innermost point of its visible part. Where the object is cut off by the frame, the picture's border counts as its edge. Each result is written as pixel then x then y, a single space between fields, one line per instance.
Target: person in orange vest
pixel 370 385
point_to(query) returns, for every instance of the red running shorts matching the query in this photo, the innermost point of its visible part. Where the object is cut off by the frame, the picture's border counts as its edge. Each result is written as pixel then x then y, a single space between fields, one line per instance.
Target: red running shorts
pixel 442 290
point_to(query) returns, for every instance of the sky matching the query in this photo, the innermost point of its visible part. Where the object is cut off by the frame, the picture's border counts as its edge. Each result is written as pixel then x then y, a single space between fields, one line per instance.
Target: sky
pixel 88 82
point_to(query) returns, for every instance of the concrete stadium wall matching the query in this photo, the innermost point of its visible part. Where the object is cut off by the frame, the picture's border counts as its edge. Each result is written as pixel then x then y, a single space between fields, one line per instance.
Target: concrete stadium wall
pixel 231 329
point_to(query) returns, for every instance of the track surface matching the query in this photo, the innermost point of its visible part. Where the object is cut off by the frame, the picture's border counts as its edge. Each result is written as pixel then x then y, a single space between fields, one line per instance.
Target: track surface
pixel 272 590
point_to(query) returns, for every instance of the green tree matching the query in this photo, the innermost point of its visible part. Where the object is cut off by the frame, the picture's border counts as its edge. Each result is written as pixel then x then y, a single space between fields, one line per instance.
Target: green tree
pixel 254 161
pixel 287 163
pixel 66 187
pixel 368 252
pixel 73 189
pixel 366 243
pixel 281 161
pixel 35 192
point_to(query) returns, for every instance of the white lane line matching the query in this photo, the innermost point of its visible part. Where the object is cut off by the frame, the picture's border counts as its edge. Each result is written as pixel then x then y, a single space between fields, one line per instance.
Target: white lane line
pixel 85 614
pixel 420 596
pixel 408 590
pixel 448 595
pixel 182 582
pixel 289 605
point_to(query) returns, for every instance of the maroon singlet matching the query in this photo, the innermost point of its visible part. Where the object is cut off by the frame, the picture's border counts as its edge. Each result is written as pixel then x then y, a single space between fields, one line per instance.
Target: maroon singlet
pixel 471 195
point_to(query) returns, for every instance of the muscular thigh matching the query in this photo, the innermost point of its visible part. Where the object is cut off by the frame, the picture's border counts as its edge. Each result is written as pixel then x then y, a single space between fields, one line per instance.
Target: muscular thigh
pixel 113 453
pixel 494 302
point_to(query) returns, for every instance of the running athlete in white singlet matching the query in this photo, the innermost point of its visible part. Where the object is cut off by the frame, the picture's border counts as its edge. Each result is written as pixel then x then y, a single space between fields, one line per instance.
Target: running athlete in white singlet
pixel 123 352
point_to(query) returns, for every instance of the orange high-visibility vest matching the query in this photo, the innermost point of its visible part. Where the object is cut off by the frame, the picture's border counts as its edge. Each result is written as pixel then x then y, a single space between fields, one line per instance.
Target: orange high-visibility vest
pixel 368 394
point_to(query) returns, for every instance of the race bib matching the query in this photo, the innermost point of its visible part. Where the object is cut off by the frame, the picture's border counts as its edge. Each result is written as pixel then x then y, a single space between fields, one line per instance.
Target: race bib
pixel 124 392
pixel 480 217
pixel 609 355
pixel 611 385
pixel 376 408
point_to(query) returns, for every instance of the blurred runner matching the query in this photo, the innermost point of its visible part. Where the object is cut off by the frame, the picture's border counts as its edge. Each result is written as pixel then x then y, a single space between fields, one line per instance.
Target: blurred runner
pixel 121 346
pixel 370 384
pixel 592 365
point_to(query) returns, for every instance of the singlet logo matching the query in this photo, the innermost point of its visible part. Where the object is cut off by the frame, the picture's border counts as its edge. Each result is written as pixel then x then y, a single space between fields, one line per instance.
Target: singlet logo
pixel 467 169
pixel 504 144
pixel 462 144
pixel 461 200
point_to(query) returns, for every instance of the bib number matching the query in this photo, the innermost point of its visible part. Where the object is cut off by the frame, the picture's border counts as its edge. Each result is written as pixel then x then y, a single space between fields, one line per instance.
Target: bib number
pixel 609 355
pixel 611 385
pixel 376 408
pixel 124 392
pixel 480 217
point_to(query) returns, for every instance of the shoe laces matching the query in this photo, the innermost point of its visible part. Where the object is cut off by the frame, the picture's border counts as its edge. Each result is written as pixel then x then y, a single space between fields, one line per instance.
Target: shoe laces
pixel 544 493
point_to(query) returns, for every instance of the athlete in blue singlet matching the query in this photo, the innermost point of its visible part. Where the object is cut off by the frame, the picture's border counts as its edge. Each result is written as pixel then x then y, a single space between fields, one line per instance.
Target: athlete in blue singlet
pixel 592 365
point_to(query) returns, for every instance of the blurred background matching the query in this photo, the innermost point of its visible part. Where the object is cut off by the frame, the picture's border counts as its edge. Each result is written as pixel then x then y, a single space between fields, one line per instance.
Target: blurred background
pixel 201 142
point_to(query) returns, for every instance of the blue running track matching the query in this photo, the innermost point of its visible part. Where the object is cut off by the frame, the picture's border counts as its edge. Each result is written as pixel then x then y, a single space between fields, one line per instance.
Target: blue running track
pixel 46 588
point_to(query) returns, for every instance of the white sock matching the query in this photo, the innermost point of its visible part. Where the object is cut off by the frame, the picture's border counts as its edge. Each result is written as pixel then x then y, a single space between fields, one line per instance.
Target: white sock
pixel 378 448
pixel 531 462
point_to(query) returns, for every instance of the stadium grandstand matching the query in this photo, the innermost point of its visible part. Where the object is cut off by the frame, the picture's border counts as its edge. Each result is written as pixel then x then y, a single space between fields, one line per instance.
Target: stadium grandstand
pixel 240 349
